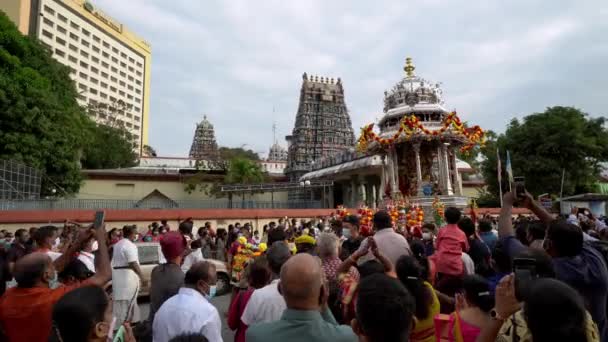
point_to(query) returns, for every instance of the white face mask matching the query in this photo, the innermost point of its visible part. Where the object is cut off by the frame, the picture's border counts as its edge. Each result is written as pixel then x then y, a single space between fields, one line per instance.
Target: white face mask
pixel 94 246
pixel 426 236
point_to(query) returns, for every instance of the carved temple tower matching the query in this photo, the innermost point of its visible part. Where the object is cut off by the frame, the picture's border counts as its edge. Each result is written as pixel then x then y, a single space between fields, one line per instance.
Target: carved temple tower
pixel 204 146
pixel 322 126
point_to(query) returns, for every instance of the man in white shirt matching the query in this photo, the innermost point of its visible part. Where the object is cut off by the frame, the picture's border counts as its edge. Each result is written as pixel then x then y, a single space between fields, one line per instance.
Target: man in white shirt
pixel 190 311
pixel 126 276
pixel 267 304
pixel 86 255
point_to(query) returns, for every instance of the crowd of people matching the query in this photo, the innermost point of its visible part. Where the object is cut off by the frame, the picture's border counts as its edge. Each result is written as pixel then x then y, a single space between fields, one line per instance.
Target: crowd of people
pixel 538 278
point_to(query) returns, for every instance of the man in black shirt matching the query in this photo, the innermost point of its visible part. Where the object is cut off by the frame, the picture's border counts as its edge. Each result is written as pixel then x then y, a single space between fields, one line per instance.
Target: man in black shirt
pixel 350 230
pixel 19 248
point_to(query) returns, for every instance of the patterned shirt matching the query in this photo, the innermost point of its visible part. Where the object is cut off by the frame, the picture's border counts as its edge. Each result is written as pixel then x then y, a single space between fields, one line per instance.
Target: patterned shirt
pixel 330 269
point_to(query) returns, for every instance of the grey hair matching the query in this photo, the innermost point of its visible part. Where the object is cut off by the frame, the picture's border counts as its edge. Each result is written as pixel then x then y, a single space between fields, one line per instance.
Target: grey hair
pixel 327 244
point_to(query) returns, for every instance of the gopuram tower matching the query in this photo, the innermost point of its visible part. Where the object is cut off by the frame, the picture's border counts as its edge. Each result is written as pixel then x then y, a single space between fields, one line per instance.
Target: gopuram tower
pixel 204 146
pixel 322 126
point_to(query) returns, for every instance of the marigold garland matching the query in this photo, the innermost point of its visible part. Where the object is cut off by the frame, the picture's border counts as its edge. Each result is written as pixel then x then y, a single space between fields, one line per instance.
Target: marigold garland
pixel 411 125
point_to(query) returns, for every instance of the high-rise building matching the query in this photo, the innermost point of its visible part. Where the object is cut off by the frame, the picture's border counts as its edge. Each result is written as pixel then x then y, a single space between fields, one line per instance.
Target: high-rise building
pixel 204 146
pixel 108 63
pixel 322 127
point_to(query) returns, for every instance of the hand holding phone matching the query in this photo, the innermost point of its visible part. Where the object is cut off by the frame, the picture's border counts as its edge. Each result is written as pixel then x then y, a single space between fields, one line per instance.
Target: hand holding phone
pixel 100 217
pixel 520 187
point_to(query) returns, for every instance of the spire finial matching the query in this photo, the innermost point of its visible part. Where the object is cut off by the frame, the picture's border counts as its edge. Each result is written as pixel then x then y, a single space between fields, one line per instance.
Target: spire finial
pixel 409 67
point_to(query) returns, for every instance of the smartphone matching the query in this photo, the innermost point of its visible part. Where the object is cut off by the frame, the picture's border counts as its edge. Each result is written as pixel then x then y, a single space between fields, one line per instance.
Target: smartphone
pixel 100 217
pixel 525 272
pixel 120 334
pixel 520 186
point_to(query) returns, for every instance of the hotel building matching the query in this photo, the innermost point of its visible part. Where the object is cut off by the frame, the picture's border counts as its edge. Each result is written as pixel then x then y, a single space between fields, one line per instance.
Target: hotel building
pixel 108 63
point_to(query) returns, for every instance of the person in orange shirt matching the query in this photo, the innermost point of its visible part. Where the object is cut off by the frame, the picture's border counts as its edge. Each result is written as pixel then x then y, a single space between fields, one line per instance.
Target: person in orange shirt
pixel 25 310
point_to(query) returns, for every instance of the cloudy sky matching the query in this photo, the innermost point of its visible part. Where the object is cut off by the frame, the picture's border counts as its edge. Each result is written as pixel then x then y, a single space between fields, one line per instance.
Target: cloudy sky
pixel 237 60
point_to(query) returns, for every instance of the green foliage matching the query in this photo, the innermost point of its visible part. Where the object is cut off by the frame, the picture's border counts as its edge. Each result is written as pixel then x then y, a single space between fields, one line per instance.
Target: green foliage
pixel 110 144
pixel 230 153
pixel 41 124
pixel 244 171
pixel 149 151
pixel 544 144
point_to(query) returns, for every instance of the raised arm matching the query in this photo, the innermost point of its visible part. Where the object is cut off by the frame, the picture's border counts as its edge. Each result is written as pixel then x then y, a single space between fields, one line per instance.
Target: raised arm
pixel 537 209
pixel 389 268
pixel 74 247
pixel 505 221
pixel 103 270
pixel 352 259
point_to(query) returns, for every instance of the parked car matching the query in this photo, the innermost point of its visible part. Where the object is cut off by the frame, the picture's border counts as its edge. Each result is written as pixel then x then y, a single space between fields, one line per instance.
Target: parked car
pixel 150 255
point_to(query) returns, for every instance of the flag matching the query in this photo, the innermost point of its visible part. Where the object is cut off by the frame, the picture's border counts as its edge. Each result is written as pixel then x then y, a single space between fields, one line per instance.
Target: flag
pixel 509 170
pixel 499 175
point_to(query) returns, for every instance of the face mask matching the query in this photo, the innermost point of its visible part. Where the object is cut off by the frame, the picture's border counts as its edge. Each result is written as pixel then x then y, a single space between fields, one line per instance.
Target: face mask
pixel 54 282
pixel 95 246
pixel 135 238
pixel 346 232
pixel 212 291
pixel 426 236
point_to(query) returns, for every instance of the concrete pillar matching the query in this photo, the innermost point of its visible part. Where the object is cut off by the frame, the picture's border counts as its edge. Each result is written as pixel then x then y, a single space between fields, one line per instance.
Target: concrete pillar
pixel 374 196
pixel 418 169
pixel 457 185
pixel 446 170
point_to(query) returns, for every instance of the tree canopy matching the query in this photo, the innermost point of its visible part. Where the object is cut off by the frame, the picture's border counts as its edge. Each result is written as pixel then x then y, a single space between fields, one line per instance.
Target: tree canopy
pixel 41 124
pixel 230 153
pixel 244 171
pixel 543 145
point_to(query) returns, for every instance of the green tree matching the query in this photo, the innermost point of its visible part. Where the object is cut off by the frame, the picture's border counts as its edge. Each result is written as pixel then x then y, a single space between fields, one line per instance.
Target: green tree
pixel 148 151
pixel 41 124
pixel 544 145
pixel 243 171
pixel 110 144
pixel 230 153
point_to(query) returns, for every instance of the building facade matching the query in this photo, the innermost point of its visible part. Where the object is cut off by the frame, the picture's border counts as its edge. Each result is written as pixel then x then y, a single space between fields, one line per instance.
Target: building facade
pixel 322 126
pixel 108 63
pixel 204 146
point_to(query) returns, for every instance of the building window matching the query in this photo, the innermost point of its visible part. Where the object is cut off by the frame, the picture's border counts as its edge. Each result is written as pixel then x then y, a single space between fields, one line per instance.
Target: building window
pixel 74 25
pixel 94 80
pixel 131 60
pixel 48 22
pixel 73 36
pixel 47 34
pixel 114 59
pixel 59 53
pixel 138 91
pixel 49 10
pixel 121 93
pixel 130 87
pixel 112 98
pixel 94 70
pixel 131 69
pixel 60 41
pixel 113 89
pixel 93 91
pixel 104 85
pixel 84 54
pixel 105 65
pixel 85 32
pixel 62 18
pixel 84 43
pixel 136 127
pixel 95 59
pixel 73 59
pixel 103 95
pixel 84 65
pixel 136 109
pixel 131 78
pixel 82 97
pixel 83 75
pixel 139 64
pixel 106 45
pixel 137 100
pixel 122 83
pixel 115 50
pixel 95 49
pixel 138 82
pixel 123 64
pixel 82 86
pixel 105 54
pixel 104 75
pixel 138 73
pixel 96 39
pixel 114 70
pixel 123 74
pixel 73 48
pixel 129 97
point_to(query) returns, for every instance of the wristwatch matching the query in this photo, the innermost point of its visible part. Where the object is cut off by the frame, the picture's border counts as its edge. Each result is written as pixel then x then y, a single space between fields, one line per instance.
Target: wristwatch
pixel 494 315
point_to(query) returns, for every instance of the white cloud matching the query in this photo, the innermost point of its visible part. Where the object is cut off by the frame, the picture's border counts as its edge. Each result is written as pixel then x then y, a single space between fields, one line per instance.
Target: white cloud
pixel 236 60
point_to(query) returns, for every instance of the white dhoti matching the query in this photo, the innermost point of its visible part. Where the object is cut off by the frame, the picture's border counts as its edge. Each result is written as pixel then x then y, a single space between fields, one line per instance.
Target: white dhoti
pixel 125 288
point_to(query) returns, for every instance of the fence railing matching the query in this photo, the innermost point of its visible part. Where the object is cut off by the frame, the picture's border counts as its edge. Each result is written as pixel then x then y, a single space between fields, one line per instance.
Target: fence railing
pixel 94 204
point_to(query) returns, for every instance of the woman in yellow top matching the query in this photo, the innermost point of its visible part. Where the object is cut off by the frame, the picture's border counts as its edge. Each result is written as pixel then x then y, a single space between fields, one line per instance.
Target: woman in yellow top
pixel 409 272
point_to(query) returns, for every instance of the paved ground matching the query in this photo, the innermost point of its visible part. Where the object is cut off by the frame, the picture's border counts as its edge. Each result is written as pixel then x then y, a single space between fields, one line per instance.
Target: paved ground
pixel 221 303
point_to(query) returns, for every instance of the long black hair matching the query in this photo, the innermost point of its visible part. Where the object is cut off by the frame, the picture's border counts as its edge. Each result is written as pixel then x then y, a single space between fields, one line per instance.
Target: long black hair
pixel 409 272
pixel 419 252
pixel 555 312
pixel 477 292
pixel 77 312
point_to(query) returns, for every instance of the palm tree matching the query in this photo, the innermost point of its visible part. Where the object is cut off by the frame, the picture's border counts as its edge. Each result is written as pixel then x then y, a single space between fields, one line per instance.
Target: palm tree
pixel 243 171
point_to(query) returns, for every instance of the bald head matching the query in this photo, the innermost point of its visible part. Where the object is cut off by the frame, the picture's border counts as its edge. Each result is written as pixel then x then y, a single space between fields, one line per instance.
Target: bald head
pixel 301 282
pixel 29 270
